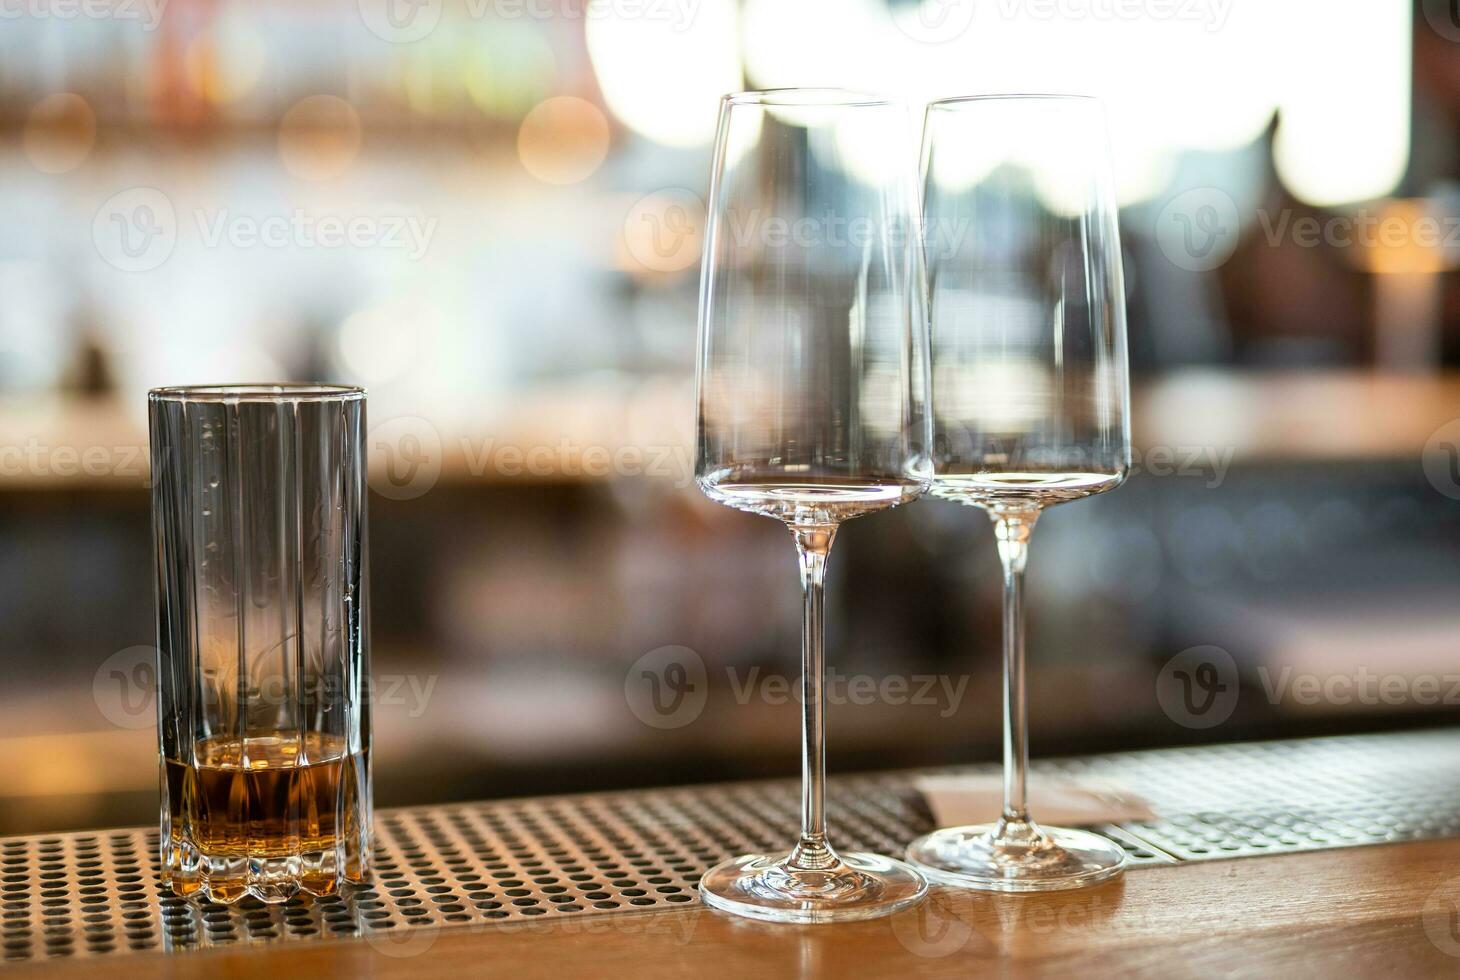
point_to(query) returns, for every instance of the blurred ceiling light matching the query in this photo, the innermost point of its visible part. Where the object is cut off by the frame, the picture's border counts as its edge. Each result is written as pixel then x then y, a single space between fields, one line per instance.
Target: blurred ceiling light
pixel 378 344
pixel 225 63
pixel 319 137
pixel 1175 77
pixel 662 70
pixel 871 153
pixel 59 133
pixel 1344 134
pixel 778 55
pixel 563 140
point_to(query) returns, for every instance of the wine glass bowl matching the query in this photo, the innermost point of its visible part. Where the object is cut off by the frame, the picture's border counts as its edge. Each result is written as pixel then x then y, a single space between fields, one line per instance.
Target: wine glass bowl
pixel 812 364
pixel 1029 397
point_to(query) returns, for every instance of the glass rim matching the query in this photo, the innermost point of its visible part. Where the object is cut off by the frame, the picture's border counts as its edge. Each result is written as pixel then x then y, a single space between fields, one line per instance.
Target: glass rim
pixel 954 101
pixel 808 97
pixel 266 391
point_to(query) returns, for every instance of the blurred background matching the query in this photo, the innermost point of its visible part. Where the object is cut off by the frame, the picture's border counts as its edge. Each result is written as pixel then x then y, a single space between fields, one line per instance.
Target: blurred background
pixel 488 213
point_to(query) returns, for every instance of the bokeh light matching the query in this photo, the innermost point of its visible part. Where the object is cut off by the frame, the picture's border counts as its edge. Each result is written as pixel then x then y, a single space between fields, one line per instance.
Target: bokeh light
pixel 1210 77
pixel 319 137
pixel 60 131
pixel 563 140
pixel 1344 135
pixel 663 232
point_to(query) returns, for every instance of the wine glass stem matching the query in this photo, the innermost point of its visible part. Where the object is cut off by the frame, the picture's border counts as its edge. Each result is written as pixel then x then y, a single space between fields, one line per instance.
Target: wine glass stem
pixel 813 545
pixel 1013 531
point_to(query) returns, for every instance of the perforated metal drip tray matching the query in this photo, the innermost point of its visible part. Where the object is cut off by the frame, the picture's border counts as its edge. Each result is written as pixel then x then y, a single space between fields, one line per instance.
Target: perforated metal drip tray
pixel 97 893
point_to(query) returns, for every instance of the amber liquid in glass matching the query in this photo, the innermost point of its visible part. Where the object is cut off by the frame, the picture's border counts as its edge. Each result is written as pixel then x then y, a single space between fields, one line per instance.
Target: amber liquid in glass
pixel 270 806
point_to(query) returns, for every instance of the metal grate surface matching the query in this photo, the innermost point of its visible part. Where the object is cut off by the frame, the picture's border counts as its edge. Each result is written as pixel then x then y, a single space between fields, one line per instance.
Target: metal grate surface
pixel 91 894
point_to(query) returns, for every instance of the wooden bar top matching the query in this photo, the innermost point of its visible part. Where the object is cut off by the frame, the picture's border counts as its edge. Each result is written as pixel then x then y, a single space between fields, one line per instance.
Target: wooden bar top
pixel 1376 911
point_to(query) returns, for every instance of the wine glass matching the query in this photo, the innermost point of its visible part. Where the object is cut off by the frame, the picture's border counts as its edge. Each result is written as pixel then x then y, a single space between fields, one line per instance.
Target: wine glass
pixel 812 364
pixel 1029 397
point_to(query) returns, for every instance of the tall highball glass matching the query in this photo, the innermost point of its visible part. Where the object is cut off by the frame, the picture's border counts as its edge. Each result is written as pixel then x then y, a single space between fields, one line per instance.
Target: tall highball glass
pixel 258 504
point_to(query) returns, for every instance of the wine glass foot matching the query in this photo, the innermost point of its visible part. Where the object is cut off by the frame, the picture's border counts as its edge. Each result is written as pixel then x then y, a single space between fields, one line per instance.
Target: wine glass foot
pixel 856 886
pixel 1052 860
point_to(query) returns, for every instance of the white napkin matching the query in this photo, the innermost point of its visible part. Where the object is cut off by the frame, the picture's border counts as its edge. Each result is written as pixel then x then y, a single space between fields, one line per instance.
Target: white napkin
pixel 958 800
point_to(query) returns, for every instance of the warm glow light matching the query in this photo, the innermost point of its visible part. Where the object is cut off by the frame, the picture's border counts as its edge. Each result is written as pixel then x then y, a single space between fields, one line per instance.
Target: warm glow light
pixel 226 63
pixel 778 55
pixel 1345 123
pixel 661 74
pixel 319 137
pixel 563 140
pixel 59 133
pixel 1407 237
pixel 663 232
pixel 1176 78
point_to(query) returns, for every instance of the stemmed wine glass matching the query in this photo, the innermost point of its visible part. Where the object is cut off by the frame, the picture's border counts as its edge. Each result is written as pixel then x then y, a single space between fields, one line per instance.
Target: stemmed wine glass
pixel 812 363
pixel 1029 396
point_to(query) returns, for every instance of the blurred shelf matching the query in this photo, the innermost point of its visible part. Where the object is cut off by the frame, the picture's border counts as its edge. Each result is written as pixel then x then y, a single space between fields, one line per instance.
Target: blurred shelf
pixel 593 432
pixel 1296 416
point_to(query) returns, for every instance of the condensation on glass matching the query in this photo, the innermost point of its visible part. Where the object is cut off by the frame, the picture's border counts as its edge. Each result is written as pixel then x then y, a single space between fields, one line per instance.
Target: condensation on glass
pixel 258 496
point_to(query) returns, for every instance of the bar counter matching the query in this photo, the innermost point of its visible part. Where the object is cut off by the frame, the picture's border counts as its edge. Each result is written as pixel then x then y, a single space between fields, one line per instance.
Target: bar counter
pixel 1275 858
